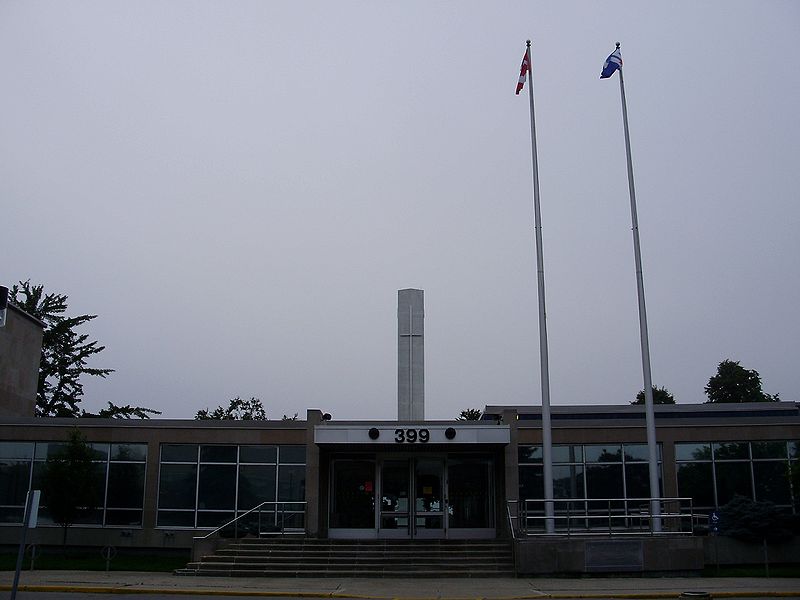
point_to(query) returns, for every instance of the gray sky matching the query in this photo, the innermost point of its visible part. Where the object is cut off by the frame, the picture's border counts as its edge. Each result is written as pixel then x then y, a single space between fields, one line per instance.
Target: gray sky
pixel 239 189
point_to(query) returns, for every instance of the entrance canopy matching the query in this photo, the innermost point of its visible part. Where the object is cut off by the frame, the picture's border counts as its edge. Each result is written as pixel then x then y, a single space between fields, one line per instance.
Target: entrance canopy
pixel 406 434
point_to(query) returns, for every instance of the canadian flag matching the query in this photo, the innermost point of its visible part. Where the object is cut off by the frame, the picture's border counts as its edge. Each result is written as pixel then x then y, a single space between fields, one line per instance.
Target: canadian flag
pixel 523 71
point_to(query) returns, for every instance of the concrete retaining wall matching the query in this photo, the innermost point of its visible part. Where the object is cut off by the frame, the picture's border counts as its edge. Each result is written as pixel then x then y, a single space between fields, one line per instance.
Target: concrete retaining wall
pixel 721 550
pixel 540 556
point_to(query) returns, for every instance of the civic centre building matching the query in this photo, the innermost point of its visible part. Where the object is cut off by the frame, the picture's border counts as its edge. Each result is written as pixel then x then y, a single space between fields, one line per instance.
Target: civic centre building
pixel 164 482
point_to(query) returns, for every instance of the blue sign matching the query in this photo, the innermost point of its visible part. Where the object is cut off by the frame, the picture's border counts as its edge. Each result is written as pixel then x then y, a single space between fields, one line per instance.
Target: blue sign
pixel 713 521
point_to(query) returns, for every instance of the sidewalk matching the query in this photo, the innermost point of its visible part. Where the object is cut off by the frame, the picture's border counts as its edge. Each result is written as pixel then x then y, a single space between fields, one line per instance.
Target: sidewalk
pixel 122 582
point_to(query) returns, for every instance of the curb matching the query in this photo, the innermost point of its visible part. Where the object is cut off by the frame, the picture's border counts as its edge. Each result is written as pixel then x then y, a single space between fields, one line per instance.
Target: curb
pixel 273 594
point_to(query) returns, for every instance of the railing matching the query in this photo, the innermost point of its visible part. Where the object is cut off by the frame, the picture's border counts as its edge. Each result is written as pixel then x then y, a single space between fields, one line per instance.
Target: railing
pixel 604 516
pixel 268 518
pixel 512 518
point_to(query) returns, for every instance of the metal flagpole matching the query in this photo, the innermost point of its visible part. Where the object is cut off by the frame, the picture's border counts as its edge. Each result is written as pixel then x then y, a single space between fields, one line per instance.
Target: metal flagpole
pixel 547 438
pixel 655 503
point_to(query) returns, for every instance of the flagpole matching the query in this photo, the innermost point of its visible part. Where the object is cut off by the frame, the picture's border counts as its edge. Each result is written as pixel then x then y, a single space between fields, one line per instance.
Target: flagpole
pixel 547 439
pixel 650 420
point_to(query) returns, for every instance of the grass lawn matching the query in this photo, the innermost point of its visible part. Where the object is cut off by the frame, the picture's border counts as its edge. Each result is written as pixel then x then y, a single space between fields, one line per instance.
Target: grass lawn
pixel 92 561
pixel 752 571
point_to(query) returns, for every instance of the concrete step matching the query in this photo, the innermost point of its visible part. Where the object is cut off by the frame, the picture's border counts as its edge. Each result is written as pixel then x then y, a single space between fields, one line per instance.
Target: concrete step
pixel 355 573
pixel 348 558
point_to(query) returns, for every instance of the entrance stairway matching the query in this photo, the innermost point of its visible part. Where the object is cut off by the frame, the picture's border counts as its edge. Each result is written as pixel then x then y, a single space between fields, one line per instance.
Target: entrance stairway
pixel 304 557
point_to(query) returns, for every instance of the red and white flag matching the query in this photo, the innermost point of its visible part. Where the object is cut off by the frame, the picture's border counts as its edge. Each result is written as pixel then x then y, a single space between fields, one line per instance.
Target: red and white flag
pixel 523 71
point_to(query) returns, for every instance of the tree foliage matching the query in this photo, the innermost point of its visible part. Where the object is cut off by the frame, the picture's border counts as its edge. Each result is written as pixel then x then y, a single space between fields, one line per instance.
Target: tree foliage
pixel 237 409
pixel 65 352
pixel 112 411
pixel 470 414
pixel 71 485
pixel 734 383
pixel 660 396
pixel 749 521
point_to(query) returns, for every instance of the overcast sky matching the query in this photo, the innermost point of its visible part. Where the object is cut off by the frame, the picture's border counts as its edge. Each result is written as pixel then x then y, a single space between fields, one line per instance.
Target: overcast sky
pixel 239 189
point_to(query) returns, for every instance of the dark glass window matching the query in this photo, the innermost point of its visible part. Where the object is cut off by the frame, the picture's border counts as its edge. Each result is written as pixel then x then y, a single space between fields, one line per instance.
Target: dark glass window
pixel 470 501
pixel 124 518
pixel 10 514
pixel 293 454
pixel 640 452
pixel 258 454
pixel 46 449
pixel 93 516
pixel 353 494
pixel 14 478
pixel 731 451
pixel 179 453
pixel 38 471
pixel 16 450
pixel 768 449
pixel 218 454
pixel 256 485
pixel 129 452
pixel 794 449
pixel 637 481
pixel 531 484
pixel 603 453
pixel 696 481
pixel 292 484
pixel 174 518
pixel 733 478
pixel 529 454
pixel 568 482
pixel 567 454
pixel 216 487
pixel 604 481
pixel 772 481
pixel 177 486
pixel 99 451
pixel 125 485
pixel 693 451
pixel 213 519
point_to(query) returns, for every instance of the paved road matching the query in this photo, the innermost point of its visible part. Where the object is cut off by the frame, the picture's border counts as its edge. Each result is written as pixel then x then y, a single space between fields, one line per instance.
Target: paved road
pixel 78 595
pixel 74 584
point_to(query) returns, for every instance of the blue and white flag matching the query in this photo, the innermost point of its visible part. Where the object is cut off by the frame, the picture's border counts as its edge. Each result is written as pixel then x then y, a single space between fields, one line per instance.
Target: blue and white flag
pixel 613 62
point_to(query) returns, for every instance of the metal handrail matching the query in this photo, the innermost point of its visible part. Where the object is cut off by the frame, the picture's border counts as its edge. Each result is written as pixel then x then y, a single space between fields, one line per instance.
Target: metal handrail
pixel 511 519
pixel 619 516
pixel 258 508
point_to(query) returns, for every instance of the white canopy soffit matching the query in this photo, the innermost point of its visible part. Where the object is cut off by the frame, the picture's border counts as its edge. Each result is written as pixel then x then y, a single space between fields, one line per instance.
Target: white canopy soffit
pixel 411 434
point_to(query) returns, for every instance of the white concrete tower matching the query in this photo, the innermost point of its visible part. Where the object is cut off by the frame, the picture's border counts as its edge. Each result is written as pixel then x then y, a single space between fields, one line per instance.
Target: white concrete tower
pixel 410 355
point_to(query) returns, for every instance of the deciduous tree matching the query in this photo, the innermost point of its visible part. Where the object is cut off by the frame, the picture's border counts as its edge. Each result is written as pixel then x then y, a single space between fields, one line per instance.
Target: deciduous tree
pixel 70 482
pixel 660 396
pixel 734 383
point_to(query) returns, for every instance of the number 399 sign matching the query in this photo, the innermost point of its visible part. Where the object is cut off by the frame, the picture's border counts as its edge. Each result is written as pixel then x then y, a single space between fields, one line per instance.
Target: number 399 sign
pixel 411 436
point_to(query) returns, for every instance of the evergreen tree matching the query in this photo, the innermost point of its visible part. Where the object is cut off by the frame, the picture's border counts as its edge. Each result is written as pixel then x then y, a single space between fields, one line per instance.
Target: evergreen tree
pixel 750 521
pixel 65 352
pixel 470 414
pixel 238 409
pixel 123 412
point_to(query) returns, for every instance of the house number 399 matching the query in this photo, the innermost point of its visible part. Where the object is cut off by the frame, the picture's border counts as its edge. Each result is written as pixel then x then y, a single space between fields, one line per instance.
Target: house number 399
pixel 411 436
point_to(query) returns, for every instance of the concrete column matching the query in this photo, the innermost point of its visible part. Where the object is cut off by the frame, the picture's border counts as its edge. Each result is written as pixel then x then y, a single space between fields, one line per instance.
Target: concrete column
pixel 313 417
pixel 149 510
pixel 410 355
pixel 511 466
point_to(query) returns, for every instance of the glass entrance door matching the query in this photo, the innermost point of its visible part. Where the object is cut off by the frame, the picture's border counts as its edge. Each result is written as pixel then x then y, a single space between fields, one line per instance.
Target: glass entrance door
pixel 413 504
pixel 429 498
pixel 395 491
